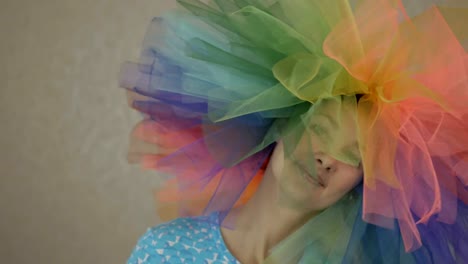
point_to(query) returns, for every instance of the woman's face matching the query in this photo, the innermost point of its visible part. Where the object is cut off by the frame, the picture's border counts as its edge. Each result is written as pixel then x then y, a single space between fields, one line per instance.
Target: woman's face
pixel 331 144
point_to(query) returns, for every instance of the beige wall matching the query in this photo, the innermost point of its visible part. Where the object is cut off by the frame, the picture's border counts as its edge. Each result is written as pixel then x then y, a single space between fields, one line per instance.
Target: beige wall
pixel 67 194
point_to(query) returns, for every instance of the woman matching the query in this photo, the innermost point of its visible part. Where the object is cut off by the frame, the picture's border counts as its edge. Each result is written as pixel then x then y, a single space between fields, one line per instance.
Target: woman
pixel 288 193
pixel 345 90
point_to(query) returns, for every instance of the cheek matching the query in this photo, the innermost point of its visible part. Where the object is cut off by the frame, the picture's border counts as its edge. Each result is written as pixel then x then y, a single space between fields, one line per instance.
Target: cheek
pixel 343 182
pixel 348 178
pixel 277 160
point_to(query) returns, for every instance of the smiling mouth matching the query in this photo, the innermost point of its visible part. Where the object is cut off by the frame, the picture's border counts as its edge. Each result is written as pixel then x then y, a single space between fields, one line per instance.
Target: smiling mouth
pixel 310 178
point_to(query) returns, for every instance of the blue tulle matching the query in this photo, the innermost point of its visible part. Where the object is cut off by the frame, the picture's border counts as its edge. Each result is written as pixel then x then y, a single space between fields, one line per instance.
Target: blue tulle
pixel 442 242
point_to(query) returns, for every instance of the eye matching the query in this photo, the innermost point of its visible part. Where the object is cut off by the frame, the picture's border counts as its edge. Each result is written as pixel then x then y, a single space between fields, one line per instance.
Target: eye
pixel 352 155
pixel 359 165
pixel 318 129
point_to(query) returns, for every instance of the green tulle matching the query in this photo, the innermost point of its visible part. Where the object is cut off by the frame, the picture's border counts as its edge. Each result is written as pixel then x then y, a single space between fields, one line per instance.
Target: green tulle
pixel 323 239
pixel 266 58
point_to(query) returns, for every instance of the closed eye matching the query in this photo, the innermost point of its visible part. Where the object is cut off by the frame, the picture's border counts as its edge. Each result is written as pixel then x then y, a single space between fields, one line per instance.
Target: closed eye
pixel 318 129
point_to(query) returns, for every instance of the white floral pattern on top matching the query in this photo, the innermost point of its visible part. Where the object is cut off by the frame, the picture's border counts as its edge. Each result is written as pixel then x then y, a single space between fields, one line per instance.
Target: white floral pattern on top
pixel 184 240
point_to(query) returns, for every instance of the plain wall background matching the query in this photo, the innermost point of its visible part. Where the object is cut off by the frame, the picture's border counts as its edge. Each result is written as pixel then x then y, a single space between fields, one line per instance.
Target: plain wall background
pixel 67 193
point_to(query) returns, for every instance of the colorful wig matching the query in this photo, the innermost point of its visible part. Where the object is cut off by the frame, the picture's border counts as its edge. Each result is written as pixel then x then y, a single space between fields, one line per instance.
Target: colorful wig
pixel 220 82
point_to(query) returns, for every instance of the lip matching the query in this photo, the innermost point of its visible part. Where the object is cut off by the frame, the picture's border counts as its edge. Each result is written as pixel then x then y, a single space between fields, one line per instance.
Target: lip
pixel 318 181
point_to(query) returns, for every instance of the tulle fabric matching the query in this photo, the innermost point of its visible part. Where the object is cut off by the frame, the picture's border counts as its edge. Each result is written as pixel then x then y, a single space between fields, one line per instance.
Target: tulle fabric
pixel 415 112
pixel 220 82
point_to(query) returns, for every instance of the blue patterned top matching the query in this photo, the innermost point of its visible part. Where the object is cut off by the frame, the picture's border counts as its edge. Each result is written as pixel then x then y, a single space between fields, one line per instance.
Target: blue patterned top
pixel 184 240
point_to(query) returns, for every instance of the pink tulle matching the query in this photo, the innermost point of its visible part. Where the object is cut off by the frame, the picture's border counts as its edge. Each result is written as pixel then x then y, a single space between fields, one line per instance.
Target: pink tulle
pixel 413 121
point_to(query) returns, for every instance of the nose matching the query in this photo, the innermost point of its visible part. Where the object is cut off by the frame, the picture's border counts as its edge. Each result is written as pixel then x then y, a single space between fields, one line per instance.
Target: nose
pixel 324 163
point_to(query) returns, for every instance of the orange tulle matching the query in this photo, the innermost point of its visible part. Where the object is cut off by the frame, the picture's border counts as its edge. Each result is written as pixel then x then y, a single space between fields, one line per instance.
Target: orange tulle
pixel 415 111
pixel 173 201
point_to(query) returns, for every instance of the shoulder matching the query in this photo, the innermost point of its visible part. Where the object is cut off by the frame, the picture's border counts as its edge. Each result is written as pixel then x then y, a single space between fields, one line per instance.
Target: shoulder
pixel 178 241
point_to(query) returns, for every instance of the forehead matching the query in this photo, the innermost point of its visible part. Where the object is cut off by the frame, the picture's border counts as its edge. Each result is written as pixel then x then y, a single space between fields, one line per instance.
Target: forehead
pixel 339 112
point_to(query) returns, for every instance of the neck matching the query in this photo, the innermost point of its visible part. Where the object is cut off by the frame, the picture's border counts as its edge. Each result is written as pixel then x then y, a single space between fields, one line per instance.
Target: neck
pixel 262 223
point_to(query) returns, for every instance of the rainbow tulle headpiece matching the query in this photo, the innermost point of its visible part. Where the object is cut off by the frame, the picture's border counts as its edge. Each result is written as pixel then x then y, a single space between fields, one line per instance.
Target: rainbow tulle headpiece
pixel 219 83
